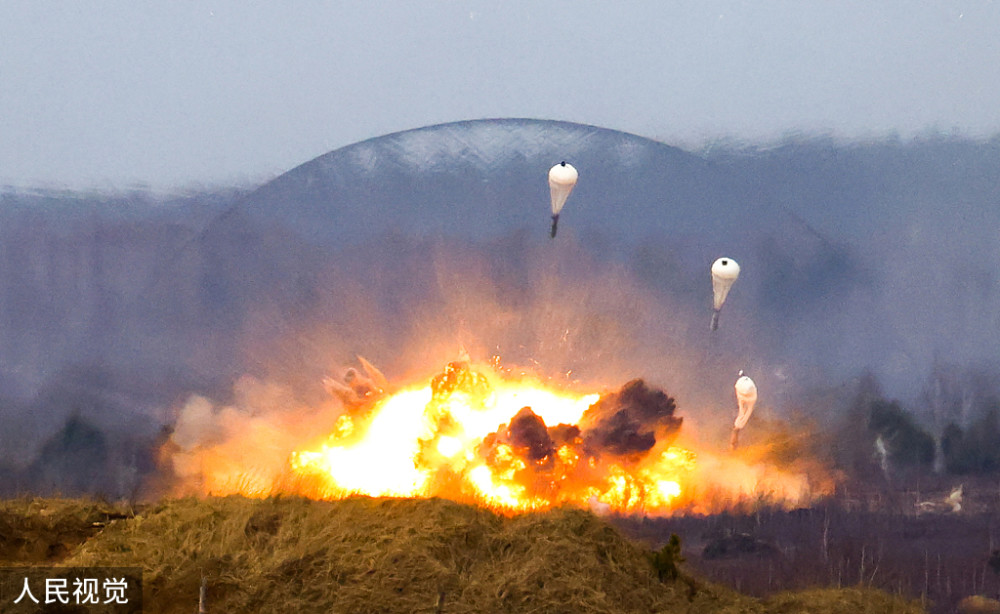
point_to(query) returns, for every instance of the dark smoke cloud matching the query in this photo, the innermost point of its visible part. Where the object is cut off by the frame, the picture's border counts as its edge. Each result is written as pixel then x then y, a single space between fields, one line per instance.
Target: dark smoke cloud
pixel 532 440
pixel 630 421
pixel 626 423
pixel 529 435
pixel 563 434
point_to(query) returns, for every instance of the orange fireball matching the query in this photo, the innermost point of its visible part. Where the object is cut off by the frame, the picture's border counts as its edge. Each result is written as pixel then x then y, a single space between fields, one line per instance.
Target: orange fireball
pixel 480 435
pixel 485 435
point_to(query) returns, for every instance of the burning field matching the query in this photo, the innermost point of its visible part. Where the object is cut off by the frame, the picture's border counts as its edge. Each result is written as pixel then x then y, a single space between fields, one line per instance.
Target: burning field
pixel 499 437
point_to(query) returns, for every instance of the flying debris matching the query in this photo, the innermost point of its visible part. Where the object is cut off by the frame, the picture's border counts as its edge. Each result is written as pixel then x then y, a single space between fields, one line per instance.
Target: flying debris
pixel 746 397
pixel 562 178
pixel 725 271
pixel 374 375
pixel 356 390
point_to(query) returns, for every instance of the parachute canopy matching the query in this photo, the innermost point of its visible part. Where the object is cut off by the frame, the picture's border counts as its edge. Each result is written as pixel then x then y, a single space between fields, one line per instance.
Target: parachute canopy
pixel 746 398
pixel 562 178
pixel 725 271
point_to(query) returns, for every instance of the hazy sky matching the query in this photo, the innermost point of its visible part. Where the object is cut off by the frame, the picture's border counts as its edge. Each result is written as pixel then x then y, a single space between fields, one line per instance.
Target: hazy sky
pixel 107 94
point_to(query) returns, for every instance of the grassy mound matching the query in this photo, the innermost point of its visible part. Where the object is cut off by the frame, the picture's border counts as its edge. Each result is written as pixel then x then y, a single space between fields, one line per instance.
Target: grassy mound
pixel 397 555
pixel 383 555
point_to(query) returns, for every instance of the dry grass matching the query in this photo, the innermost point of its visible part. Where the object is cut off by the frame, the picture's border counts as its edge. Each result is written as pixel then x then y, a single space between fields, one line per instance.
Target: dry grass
pixel 841 601
pixel 397 555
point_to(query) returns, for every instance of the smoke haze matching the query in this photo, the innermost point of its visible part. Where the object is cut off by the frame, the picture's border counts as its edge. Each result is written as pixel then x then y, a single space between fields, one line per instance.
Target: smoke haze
pixel 126 321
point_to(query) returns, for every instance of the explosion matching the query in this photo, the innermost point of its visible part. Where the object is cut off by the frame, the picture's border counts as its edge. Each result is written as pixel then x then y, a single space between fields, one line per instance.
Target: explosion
pixel 510 441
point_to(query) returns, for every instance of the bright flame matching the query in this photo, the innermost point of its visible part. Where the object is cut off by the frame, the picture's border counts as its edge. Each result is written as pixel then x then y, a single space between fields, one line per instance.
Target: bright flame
pixel 381 463
pixel 448 446
pixel 467 436
pixel 449 439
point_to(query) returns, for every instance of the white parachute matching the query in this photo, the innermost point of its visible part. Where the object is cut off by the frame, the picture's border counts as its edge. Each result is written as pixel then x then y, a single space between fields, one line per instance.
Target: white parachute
pixel 725 272
pixel 562 178
pixel 746 398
